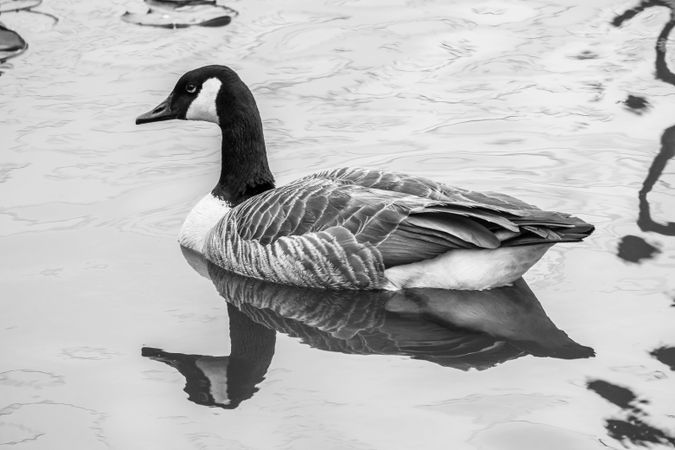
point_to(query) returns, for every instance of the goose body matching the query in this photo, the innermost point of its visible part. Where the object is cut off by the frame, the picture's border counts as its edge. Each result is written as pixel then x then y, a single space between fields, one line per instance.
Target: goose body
pixel 348 228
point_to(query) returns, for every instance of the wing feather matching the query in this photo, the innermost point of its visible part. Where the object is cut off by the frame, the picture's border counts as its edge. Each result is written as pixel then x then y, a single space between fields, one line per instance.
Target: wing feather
pixel 465 229
pixel 475 213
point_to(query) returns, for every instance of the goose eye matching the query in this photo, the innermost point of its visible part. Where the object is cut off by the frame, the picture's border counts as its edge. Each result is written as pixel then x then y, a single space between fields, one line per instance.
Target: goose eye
pixel 190 88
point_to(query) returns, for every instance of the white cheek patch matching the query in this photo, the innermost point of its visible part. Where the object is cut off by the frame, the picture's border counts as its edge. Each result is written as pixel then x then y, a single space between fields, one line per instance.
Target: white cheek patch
pixel 204 106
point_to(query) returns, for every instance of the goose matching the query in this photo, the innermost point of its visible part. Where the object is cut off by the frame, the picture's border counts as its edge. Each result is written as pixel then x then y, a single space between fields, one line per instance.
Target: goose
pixel 348 228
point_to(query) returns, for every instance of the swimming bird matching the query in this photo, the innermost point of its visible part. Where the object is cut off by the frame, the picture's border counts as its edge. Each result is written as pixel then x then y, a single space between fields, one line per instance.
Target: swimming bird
pixel 348 228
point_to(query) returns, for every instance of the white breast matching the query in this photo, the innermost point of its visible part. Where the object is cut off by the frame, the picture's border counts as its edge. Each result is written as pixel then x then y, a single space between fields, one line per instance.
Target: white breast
pixel 201 219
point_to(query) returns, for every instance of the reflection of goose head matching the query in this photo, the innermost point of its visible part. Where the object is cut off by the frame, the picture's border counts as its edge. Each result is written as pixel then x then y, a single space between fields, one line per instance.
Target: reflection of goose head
pixel 460 329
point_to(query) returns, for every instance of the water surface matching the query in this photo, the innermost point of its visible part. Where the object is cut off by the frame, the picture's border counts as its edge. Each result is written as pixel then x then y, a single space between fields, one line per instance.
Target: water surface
pixel 527 98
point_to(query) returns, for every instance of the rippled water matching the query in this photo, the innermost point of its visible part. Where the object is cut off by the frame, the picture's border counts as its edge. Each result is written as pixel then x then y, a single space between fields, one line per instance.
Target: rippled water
pixel 103 323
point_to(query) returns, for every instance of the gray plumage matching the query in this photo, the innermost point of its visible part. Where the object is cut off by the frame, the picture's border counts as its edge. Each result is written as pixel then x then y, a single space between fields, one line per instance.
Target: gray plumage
pixel 343 228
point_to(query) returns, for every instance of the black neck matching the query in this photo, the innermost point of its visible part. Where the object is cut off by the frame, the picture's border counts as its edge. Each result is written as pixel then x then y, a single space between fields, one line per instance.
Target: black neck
pixel 244 170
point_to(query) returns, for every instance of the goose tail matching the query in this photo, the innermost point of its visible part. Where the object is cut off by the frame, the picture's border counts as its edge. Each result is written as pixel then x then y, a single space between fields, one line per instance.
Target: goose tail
pixel 564 228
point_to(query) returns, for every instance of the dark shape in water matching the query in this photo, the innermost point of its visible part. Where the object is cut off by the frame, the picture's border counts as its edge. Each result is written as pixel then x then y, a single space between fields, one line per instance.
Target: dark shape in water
pixel 11 43
pixel 637 431
pixel 460 329
pixel 634 249
pixel 633 428
pixel 666 355
pixel 644 4
pixel 175 3
pixel 225 381
pixel 636 104
pixel 620 396
pixel 645 221
pixel 182 14
pixel 663 73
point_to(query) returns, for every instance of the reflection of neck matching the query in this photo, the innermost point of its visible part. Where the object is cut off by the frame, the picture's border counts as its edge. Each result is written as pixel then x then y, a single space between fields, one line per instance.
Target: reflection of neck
pixel 244 169
pixel 645 221
pixel 225 381
pixel 251 355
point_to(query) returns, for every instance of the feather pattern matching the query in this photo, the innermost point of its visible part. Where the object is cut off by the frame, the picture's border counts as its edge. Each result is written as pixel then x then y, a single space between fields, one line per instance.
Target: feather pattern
pixel 343 228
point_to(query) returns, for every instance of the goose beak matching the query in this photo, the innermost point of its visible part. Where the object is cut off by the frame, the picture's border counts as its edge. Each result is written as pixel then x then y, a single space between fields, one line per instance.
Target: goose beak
pixel 161 112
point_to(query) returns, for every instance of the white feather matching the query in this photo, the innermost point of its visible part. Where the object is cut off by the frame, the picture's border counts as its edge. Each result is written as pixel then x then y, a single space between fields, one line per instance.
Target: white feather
pixel 204 106
pixel 201 219
pixel 467 269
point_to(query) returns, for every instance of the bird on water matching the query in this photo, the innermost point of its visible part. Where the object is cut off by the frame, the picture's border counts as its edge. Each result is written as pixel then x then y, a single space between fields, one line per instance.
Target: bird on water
pixel 348 228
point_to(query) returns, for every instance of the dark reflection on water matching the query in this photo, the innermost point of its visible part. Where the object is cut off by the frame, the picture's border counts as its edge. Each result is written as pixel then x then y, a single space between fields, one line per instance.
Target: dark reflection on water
pixel 645 221
pixel 666 355
pixel 225 381
pixel 635 249
pixel 636 104
pixel 633 427
pixel 459 329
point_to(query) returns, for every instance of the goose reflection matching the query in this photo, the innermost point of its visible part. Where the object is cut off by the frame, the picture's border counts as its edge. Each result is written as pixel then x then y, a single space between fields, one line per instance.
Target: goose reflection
pixel 225 381
pixel 458 329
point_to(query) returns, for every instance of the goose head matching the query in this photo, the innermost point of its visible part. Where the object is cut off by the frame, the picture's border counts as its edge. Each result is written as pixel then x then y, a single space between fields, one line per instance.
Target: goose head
pixel 217 94
pixel 210 93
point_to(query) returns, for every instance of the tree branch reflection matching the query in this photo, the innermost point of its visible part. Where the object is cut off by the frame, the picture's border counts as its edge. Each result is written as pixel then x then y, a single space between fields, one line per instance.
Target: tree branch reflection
pixel 663 73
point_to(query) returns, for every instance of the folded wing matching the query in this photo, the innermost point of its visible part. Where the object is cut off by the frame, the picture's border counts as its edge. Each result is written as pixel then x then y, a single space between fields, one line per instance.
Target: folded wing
pixel 405 218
